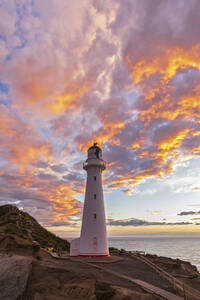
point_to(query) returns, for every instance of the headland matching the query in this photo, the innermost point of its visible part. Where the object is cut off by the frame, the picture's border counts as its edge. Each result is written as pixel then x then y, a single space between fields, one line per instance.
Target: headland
pixel 35 265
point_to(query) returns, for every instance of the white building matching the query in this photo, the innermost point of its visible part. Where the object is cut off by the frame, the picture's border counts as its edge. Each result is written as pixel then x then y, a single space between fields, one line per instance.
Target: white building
pixel 93 239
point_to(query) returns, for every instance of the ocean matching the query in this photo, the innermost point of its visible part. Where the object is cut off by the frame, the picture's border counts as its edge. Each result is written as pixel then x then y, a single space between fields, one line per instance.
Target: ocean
pixel 184 248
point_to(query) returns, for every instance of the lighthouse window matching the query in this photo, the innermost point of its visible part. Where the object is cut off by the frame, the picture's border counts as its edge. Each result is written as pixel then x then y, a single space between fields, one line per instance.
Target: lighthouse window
pixel 95 216
pixel 95 178
pixel 95 196
pixel 95 243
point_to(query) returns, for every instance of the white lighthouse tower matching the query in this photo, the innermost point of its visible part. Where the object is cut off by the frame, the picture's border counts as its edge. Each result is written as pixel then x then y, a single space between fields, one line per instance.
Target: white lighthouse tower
pixel 93 239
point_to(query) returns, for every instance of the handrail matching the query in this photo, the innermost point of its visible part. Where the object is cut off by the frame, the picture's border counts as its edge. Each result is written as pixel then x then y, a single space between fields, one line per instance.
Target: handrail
pixel 185 289
pixel 100 162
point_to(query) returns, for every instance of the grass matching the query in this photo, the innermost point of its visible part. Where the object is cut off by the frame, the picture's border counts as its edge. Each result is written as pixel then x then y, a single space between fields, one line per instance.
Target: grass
pixel 19 223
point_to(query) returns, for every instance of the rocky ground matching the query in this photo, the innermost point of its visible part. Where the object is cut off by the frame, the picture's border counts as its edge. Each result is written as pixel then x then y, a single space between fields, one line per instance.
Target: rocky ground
pixel 32 270
pixel 55 279
pixel 48 278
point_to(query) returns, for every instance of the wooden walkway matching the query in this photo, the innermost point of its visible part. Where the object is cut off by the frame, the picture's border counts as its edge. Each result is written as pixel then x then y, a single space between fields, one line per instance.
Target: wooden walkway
pixel 157 291
pixel 163 294
pixel 185 289
pixel 144 285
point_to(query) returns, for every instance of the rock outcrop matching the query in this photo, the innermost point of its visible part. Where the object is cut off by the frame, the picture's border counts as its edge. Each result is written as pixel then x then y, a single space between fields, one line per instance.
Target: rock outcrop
pixel 14 273
pixel 28 271
pixel 175 267
pixel 20 233
pixel 24 278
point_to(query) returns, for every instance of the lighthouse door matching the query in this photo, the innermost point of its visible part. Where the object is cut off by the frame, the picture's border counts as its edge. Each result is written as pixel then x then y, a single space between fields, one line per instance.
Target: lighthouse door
pixel 95 244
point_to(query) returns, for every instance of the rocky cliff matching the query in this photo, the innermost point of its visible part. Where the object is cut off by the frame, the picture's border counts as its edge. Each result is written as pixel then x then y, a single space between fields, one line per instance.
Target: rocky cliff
pixel 20 233
pixel 28 271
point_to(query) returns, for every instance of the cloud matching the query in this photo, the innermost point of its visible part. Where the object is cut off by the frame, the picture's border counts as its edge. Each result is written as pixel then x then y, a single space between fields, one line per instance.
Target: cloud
pixel 156 212
pixel 60 223
pixel 155 138
pixel 47 198
pixel 137 222
pixel 21 144
pixel 45 176
pixel 188 213
pixel 59 168
pixel 124 74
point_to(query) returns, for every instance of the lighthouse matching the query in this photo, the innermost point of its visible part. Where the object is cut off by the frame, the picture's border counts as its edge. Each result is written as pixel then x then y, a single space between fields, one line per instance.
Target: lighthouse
pixel 93 239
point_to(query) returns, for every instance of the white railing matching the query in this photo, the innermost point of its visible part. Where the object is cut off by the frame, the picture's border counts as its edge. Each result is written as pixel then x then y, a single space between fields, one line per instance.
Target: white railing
pixel 99 162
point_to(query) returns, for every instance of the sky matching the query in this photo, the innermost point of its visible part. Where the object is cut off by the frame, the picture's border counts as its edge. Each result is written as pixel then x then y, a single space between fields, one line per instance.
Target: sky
pixel 125 74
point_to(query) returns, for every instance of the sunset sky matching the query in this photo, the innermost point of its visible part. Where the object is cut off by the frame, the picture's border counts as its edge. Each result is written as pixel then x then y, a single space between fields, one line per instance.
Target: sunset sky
pixel 125 74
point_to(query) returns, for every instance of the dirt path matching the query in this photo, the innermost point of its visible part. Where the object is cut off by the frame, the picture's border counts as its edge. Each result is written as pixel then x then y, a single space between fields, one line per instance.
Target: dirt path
pixel 144 285
pixel 134 268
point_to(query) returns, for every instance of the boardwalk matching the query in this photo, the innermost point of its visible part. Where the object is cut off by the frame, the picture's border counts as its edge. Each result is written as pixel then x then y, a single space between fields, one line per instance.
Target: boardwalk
pixel 144 285
pixel 126 266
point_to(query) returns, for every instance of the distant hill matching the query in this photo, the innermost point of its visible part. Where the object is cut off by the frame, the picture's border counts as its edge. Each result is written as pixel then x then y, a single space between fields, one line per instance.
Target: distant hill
pixel 18 231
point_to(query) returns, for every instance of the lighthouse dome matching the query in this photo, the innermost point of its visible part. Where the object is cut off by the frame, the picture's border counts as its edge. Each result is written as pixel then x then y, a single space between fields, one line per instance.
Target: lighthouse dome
pixel 94 151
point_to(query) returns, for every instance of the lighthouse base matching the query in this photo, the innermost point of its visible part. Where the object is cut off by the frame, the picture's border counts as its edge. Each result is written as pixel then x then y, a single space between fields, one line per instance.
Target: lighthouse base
pixel 93 255
pixel 75 250
pixel 74 247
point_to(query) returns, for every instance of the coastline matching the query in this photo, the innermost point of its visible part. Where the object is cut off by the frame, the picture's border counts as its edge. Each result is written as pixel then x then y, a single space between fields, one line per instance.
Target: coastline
pixel 175 247
pixel 123 274
pixel 144 243
pixel 35 264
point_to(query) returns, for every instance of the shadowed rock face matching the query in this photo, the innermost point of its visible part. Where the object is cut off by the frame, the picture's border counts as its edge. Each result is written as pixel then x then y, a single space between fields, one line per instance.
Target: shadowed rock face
pixel 174 266
pixel 13 276
pixel 21 232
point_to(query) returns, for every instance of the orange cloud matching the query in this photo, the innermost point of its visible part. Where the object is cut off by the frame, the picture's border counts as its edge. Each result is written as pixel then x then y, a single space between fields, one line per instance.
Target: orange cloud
pixel 63 203
pixel 169 103
pixel 24 152
pixel 45 91
pixel 85 93
pixel 20 142
pixel 170 143
pixel 106 133
pixel 6 123
pixel 70 98
pixel 167 65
